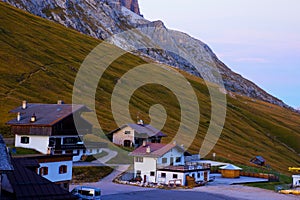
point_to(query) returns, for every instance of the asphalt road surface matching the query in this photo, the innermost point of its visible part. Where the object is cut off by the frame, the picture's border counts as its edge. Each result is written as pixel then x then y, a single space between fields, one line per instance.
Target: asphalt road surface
pixel 167 195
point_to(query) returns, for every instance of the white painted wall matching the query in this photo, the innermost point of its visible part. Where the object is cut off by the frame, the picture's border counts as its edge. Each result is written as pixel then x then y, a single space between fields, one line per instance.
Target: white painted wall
pixel 120 136
pixel 174 153
pixel 169 177
pixel 148 165
pixel 296 180
pixel 53 171
pixel 39 143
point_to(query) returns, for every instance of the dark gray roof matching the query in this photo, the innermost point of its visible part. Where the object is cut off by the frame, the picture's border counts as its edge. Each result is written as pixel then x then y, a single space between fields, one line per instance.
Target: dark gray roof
pixel 5 164
pixel 28 185
pixel 144 130
pixel 46 114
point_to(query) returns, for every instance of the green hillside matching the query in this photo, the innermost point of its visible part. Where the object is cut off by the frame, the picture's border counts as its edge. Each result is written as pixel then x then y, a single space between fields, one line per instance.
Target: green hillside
pixel 39 61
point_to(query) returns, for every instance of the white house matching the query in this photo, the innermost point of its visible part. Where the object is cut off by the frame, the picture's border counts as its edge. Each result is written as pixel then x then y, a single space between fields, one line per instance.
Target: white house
pixel 166 164
pixel 296 180
pixel 56 168
pixel 133 135
pixel 50 129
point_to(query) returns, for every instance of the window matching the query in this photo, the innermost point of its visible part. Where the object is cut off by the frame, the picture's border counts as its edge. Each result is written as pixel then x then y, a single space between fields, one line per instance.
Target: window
pixel 152 173
pixel 164 160
pixel 127 132
pixel 175 176
pixel 163 175
pixel 199 175
pixel 139 159
pixel 98 150
pixel 178 159
pixel 44 171
pixel 25 140
pixel 138 173
pixel 63 169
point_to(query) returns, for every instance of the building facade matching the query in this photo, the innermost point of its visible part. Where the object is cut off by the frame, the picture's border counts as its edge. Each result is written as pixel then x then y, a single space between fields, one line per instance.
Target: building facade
pixel 167 164
pixel 133 135
pixel 51 129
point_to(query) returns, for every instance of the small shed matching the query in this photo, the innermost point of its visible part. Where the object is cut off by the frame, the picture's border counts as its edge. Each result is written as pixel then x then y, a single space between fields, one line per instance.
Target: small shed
pixel 230 171
pixel 258 160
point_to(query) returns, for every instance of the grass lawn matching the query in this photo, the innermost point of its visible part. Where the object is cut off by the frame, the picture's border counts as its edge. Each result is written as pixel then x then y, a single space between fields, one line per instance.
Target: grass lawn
pixel 23 151
pixel 90 174
pixel 39 61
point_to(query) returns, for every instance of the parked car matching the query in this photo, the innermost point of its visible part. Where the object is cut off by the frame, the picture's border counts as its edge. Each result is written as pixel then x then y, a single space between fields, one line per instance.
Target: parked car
pixel 87 193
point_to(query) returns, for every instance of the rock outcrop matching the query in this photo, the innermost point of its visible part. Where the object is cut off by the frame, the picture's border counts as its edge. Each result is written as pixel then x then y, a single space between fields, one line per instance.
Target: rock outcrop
pixel 132 5
pixel 104 18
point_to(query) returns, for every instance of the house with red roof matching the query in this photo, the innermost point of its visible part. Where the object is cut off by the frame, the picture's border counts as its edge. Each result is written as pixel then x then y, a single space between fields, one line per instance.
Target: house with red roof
pixel 167 164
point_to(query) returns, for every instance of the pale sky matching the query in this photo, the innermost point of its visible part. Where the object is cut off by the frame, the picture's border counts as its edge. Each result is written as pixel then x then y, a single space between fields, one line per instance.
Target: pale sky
pixel 259 39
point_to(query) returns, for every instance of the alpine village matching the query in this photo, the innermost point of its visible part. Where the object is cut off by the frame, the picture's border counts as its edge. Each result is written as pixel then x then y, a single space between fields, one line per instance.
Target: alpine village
pixel 51 147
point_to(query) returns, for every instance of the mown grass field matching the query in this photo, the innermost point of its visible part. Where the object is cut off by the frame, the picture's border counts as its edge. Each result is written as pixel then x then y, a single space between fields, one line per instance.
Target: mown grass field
pixel 90 174
pixel 39 61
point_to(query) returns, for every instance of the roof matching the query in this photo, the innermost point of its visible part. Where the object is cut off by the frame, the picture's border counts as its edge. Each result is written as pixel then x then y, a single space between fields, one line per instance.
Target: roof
pixel 5 164
pixel 230 167
pixel 46 114
pixel 156 150
pixel 144 130
pixel 27 185
pixel 260 158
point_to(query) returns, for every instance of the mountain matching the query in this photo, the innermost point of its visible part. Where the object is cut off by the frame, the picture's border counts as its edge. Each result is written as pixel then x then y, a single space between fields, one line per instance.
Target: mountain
pixel 39 61
pixel 103 18
pixel 132 5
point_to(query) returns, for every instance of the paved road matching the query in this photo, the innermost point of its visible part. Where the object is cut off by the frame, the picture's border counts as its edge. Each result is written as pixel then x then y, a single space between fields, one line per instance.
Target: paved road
pixel 167 195
pixel 110 154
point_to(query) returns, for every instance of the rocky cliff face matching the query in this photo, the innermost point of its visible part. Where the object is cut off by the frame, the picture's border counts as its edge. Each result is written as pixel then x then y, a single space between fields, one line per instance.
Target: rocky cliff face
pixel 104 18
pixel 132 5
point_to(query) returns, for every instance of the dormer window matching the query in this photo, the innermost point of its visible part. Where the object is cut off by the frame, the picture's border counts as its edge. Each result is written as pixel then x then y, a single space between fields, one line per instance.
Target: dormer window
pixel 33 118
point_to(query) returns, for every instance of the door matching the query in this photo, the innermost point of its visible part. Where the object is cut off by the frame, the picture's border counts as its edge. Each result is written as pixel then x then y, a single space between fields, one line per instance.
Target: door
pixel 205 176
pixel 127 143
pixel 57 143
pixel 171 161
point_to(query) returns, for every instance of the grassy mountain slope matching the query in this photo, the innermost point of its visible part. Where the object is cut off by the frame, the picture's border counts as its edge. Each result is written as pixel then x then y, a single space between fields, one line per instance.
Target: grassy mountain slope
pixel 39 61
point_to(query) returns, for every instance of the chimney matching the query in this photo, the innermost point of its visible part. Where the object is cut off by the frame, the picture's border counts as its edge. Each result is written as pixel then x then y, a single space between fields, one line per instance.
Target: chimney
pixel 33 118
pixel 140 122
pixel 148 149
pixel 144 143
pixel 24 105
pixel 59 102
pixel 19 116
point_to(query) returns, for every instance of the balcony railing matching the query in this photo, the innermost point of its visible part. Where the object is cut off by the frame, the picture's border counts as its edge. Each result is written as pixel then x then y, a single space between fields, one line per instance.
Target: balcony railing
pixel 185 167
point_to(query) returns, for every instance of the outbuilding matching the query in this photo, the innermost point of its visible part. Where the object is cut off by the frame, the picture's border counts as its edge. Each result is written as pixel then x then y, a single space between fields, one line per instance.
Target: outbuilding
pixel 296 180
pixel 230 171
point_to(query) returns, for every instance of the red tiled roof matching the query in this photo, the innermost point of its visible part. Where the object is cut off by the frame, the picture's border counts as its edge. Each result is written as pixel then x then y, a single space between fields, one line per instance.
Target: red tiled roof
pixel 156 150
pixel 46 114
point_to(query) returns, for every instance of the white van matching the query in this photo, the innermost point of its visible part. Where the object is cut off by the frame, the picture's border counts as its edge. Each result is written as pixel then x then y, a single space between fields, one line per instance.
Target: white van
pixel 87 193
